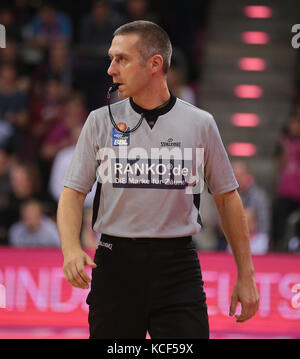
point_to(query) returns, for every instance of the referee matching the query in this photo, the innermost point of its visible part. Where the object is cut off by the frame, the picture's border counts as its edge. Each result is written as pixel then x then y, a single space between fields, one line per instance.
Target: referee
pixel 146 274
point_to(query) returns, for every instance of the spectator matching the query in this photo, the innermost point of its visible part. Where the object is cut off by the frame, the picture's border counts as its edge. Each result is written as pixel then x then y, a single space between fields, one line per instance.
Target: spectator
pixel 48 26
pixel 46 111
pixel 5 187
pixel 11 55
pixel 288 191
pixel 178 86
pixel 73 115
pixel 259 242
pixel 34 229
pixel 58 65
pixel 13 101
pixel 13 107
pixel 23 10
pixel 26 184
pixel 8 55
pixel 138 10
pixel 7 136
pixel 7 18
pixel 5 191
pixel 97 27
pixel 60 164
pixel 253 198
pixel 92 60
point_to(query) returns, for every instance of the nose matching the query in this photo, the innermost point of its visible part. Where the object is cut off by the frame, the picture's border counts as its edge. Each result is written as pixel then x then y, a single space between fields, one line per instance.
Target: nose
pixel 112 70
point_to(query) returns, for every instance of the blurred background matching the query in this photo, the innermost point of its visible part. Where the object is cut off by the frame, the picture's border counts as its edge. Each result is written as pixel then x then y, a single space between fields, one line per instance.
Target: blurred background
pixel 239 61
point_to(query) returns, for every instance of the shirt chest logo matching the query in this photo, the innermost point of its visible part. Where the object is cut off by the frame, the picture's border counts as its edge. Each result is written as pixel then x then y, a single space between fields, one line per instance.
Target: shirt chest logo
pixel 170 143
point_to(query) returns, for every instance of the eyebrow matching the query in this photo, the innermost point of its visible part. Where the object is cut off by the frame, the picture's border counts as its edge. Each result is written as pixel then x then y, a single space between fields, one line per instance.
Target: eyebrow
pixel 118 54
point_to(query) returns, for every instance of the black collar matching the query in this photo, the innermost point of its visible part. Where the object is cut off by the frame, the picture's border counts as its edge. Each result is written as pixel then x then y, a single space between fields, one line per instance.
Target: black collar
pixel 156 111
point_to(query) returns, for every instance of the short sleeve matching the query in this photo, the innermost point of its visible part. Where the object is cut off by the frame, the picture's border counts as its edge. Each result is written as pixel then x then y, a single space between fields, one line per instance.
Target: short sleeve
pixel 218 171
pixel 81 173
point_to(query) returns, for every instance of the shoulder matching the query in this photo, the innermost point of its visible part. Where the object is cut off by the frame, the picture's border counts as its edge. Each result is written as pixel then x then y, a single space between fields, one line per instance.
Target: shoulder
pixel 17 227
pixel 16 233
pixel 61 160
pixel 194 111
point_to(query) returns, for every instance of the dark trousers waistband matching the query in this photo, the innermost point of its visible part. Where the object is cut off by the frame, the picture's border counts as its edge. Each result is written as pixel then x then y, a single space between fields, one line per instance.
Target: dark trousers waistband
pixel 173 240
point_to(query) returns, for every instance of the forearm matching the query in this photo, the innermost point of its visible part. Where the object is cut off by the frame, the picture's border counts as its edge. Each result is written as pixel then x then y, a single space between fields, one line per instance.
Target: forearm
pixel 235 228
pixel 69 219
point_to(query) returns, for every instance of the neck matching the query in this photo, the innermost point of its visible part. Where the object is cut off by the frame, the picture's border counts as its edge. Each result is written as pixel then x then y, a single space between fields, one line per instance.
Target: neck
pixel 153 97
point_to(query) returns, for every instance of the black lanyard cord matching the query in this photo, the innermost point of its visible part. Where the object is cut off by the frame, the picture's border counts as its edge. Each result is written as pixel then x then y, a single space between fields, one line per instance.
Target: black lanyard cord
pixel 114 88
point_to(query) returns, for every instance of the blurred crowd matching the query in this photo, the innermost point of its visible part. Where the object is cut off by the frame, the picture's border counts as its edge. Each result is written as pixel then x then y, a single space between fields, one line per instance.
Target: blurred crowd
pixel 53 73
pixel 273 219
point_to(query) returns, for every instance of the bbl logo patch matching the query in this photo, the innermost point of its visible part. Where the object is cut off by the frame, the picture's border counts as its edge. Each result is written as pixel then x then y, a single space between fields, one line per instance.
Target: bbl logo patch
pixel 120 138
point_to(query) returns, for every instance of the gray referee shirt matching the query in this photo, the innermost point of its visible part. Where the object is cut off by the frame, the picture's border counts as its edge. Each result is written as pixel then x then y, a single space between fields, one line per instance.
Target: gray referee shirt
pixel 146 176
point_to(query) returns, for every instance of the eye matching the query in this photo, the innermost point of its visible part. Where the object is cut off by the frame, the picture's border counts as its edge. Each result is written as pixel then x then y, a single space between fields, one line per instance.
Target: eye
pixel 121 60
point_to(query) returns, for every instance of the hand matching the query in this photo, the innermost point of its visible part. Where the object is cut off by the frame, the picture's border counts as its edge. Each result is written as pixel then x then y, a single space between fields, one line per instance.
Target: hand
pixel 74 271
pixel 246 293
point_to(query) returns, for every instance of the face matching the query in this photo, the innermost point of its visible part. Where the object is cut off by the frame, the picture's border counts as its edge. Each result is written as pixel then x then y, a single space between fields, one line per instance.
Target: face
pixel 47 15
pixel 100 11
pixel 58 54
pixel 243 177
pixel 3 162
pixel 31 215
pixel 137 8
pixel 127 67
pixel 173 78
pixel 294 126
pixel 8 74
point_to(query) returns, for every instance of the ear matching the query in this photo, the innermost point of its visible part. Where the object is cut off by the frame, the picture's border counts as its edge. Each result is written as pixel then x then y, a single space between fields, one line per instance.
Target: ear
pixel 156 63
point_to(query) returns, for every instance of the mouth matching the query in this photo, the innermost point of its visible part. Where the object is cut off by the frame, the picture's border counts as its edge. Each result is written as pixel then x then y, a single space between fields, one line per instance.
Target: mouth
pixel 119 83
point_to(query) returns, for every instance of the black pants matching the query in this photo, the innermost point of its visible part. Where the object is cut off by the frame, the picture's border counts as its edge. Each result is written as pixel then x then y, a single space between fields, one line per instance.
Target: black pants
pixel 142 285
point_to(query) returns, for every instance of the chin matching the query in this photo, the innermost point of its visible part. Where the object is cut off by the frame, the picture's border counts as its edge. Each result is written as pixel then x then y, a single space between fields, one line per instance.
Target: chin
pixel 122 94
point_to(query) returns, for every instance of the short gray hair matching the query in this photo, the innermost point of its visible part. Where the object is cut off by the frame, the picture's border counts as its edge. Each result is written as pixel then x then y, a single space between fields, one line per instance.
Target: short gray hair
pixel 153 40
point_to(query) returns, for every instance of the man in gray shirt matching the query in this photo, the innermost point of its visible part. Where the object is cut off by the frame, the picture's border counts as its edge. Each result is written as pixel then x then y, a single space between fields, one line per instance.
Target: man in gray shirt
pixel 34 229
pixel 148 165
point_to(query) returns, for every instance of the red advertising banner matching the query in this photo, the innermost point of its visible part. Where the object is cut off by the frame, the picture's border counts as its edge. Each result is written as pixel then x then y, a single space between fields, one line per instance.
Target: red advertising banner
pixel 37 294
pixel 277 277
